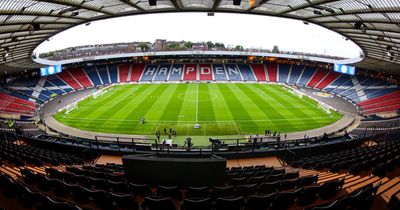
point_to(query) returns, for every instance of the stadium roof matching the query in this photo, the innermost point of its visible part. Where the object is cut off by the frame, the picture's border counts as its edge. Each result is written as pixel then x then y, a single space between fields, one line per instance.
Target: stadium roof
pixel 373 24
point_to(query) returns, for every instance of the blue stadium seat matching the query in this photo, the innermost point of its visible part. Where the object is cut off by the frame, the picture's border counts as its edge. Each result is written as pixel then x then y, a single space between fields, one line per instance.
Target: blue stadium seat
pixel 54 80
pixel 219 72
pixel 372 88
pixel 150 70
pixel 247 72
pixel 103 72
pixel 176 72
pixel 113 71
pixel 339 81
pixel 283 72
pixel 306 76
pixel 93 75
pixel 233 72
pixel 295 74
pixel 377 93
pixel 162 72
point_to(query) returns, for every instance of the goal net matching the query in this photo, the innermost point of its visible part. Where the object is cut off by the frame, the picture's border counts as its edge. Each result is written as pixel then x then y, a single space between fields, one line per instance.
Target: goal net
pixel 324 107
pixel 296 93
pixel 98 93
pixel 69 108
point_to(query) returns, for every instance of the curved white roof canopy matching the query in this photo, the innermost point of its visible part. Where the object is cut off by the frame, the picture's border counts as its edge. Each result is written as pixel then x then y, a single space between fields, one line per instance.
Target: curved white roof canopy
pixel 372 24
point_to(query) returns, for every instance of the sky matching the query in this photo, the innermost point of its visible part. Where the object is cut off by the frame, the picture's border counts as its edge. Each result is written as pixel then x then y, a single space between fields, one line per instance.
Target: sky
pixel 250 31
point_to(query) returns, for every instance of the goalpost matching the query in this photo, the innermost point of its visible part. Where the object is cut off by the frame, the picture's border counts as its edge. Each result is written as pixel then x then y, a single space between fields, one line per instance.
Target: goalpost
pixel 69 108
pixel 99 93
pixel 324 107
pixel 321 105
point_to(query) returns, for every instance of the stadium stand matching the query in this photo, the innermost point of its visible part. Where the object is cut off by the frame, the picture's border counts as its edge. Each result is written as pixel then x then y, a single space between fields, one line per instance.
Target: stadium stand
pixel 123 72
pixel 162 72
pixel 272 71
pixel 190 72
pixel 58 83
pixel 149 72
pixel 246 72
pixel 66 77
pixel 357 89
pixel 104 74
pixel 205 72
pixel 259 72
pixel 176 72
pixel 332 75
pixel 305 77
pixel 80 75
pixel 319 75
pixel 295 73
pixel 219 72
pixel 113 72
pixel 31 177
pixel 283 72
pixel 136 72
pixel 93 75
pixel 233 72
pixel 337 82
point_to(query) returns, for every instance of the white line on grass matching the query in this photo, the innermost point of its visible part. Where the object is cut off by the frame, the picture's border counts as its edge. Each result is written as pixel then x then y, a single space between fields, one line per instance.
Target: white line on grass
pixel 217 121
pixel 197 103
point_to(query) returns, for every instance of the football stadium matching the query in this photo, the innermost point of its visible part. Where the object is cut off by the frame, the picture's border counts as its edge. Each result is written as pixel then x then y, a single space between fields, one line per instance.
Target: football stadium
pixel 199 112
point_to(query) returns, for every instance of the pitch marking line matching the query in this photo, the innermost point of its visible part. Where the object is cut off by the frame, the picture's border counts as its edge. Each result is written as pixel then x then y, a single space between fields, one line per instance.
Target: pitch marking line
pixel 220 121
pixel 197 103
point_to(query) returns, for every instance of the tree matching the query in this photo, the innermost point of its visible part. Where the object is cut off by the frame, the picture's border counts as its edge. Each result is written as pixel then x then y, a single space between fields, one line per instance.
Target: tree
pixel 144 47
pixel 210 45
pixel 188 45
pixel 239 48
pixel 218 44
pixel 173 45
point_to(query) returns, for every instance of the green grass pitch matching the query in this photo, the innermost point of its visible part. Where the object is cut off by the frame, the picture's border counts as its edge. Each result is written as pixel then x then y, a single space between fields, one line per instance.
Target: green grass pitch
pixel 220 109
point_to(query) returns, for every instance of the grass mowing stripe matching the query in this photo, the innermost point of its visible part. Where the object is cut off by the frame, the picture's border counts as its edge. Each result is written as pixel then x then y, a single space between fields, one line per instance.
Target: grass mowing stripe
pixel 145 105
pixel 129 95
pixel 263 104
pixel 223 109
pixel 206 109
pixel 294 110
pixel 112 101
pixel 237 110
